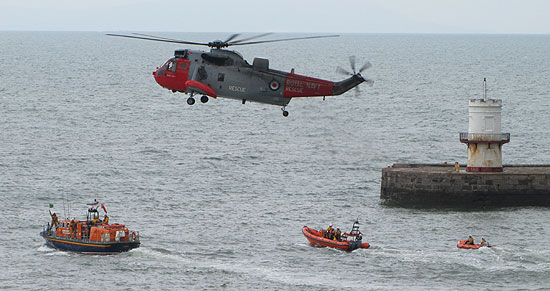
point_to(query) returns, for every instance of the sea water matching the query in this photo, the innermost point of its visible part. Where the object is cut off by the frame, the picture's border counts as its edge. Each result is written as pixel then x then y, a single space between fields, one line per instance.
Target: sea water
pixel 219 192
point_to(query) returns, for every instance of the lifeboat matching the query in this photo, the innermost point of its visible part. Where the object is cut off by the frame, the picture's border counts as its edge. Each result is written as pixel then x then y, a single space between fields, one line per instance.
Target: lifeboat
pixel 349 242
pixel 90 235
pixel 462 245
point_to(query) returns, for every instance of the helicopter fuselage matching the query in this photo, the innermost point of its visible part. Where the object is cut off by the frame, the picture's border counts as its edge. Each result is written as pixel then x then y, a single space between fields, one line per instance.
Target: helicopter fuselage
pixel 225 73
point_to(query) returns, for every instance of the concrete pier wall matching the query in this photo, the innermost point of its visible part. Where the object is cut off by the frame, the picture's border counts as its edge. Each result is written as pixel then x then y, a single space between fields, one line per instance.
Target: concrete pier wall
pixel 438 184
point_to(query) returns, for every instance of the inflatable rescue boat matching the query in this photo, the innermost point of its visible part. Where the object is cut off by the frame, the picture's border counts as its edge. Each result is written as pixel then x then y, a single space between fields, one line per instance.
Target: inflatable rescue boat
pixel 462 245
pixel 349 241
pixel 90 235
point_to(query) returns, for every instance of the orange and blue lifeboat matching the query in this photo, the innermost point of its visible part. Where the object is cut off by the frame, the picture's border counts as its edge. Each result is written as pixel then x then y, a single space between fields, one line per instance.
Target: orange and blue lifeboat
pixel 90 236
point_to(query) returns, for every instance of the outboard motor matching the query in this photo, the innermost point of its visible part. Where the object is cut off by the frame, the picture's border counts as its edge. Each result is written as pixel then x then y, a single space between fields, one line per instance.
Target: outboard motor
pixel 353 245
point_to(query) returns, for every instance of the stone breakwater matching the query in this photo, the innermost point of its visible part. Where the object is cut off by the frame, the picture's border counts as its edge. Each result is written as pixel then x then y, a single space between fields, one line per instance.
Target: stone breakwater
pixel 442 185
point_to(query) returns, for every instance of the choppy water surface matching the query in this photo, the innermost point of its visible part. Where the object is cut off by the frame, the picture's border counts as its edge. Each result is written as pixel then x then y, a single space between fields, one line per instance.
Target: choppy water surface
pixel 220 191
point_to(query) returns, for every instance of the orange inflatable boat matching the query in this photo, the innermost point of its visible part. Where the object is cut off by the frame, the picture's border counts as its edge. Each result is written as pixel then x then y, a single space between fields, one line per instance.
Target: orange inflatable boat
pixel 462 245
pixel 350 243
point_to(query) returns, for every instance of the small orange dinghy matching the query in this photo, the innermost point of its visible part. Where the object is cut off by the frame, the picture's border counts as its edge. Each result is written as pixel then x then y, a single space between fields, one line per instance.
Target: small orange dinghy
pixel 349 241
pixel 462 245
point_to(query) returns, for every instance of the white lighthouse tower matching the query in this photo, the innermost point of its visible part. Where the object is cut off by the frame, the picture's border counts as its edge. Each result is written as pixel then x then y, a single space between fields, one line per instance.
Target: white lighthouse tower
pixel 484 137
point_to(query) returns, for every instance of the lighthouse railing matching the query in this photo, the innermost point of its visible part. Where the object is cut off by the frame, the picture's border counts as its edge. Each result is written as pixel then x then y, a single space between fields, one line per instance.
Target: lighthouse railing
pixel 467 137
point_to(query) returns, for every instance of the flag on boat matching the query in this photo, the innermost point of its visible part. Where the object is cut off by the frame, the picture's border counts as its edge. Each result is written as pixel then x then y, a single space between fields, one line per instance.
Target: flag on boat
pixel 95 203
pixel 104 208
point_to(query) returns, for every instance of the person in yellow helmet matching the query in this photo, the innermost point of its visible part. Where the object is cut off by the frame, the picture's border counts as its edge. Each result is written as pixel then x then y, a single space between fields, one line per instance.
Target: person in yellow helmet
pixel 470 240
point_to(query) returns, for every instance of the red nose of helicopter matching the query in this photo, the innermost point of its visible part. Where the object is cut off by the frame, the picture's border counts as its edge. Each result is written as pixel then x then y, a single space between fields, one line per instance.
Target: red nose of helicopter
pixel 170 77
pixel 160 77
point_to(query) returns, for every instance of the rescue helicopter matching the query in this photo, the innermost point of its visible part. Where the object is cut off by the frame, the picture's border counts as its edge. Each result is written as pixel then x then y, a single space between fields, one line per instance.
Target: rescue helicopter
pixel 225 73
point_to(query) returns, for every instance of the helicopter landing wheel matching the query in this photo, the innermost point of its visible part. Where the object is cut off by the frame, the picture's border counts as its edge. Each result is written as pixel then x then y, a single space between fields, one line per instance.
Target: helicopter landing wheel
pixel 190 100
pixel 285 113
pixel 204 99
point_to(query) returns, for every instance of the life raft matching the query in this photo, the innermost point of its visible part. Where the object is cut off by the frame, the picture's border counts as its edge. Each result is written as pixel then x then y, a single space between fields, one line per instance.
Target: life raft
pixel 316 238
pixel 462 245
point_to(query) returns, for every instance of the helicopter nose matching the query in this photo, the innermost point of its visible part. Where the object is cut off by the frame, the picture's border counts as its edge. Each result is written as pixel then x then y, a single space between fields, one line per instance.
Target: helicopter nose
pixel 159 76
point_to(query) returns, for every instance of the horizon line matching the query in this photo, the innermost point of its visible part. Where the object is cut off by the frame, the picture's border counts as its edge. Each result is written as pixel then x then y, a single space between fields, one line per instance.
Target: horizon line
pixel 289 32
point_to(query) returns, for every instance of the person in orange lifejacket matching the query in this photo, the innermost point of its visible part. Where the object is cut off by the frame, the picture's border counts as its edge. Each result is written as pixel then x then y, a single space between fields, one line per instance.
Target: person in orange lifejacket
pixel 106 219
pixel 470 240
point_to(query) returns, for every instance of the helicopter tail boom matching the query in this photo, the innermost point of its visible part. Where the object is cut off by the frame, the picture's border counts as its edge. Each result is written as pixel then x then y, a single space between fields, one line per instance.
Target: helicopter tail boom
pixel 347 84
pixel 302 86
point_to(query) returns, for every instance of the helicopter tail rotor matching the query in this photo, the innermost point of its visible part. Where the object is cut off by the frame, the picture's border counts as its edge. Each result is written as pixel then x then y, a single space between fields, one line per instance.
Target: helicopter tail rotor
pixel 365 66
pixel 353 72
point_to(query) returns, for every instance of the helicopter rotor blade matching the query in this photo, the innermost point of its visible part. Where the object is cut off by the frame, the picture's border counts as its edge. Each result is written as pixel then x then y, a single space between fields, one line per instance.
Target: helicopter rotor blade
pixel 284 39
pixel 154 36
pixel 251 38
pixel 231 37
pixel 352 63
pixel 158 39
pixel 365 66
pixel 342 71
pixel 216 44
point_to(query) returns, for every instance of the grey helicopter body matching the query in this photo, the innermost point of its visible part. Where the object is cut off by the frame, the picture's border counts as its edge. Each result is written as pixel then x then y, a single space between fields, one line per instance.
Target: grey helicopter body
pixel 225 73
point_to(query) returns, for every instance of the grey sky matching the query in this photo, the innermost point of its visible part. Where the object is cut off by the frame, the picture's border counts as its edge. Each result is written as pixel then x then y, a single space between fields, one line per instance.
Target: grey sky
pixel 367 16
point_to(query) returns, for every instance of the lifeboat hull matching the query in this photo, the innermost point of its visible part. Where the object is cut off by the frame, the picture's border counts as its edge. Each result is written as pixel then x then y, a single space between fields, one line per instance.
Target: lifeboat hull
pixel 315 238
pixel 462 245
pixel 87 246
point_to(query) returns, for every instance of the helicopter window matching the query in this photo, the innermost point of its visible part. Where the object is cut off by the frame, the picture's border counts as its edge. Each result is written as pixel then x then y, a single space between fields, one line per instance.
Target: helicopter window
pixel 217 59
pixel 183 65
pixel 221 76
pixel 171 66
pixel 181 54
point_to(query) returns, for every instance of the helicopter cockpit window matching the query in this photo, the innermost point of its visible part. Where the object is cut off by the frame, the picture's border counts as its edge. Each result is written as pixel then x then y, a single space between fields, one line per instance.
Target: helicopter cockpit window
pixel 171 66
